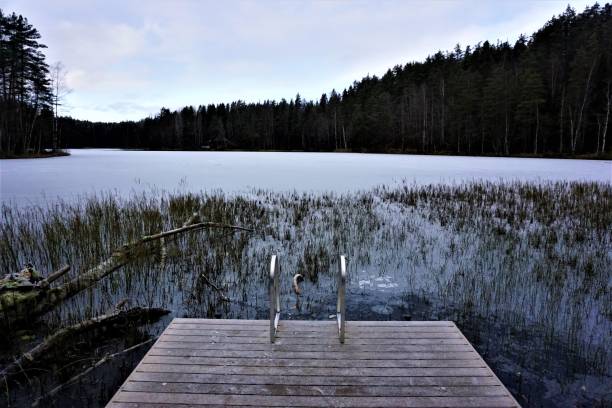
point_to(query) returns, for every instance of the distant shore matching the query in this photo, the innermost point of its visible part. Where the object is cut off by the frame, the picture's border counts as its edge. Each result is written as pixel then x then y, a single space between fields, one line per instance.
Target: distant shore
pixel 60 153
pixel 36 155
pixel 586 156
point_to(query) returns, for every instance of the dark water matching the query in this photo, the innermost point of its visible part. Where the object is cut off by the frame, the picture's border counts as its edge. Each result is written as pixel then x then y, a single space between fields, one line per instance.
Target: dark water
pixel 532 298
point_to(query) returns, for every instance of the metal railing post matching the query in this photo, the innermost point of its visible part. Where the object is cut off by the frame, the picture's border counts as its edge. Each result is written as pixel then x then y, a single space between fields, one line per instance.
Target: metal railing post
pixel 341 305
pixel 274 297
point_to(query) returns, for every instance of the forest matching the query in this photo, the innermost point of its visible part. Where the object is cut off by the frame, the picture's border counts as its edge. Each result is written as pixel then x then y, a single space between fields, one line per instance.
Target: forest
pixel 547 94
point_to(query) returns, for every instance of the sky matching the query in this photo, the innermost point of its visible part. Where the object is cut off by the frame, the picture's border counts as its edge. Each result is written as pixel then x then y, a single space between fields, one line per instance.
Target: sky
pixel 126 59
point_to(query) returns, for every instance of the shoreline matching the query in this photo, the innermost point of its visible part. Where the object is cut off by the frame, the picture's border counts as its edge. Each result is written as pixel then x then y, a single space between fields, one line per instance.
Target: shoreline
pixel 590 156
pixel 46 155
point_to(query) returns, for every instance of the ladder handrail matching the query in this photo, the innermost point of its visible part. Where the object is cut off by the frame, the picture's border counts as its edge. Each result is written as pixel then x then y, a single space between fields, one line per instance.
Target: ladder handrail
pixel 341 305
pixel 274 297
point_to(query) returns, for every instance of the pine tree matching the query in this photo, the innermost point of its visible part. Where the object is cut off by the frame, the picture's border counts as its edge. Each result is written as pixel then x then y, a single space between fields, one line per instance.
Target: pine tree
pixel 25 84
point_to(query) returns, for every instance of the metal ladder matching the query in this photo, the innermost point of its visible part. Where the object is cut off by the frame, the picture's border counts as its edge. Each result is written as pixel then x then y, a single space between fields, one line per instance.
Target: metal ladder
pixel 275 298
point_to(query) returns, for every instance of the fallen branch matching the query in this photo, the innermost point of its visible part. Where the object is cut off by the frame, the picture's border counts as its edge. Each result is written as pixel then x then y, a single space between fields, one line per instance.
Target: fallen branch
pixel 74 379
pixel 57 274
pixel 191 227
pixel 45 283
pixel 212 285
pixel 59 337
pixel 21 306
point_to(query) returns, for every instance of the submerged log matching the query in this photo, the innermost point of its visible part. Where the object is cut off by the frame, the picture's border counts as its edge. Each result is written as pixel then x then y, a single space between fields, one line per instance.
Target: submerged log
pixel 103 360
pixel 19 306
pixel 55 276
pixel 43 349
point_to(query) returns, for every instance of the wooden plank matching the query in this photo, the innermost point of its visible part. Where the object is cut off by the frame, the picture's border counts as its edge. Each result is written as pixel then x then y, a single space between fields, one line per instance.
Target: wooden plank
pixel 197 348
pixel 393 323
pixel 298 401
pixel 203 350
pixel 302 327
pixel 326 342
pixel 324 372
pixel 324 390
pixel 400 350
pixel 399 323
pixel 335 355
pixel 379 335
pixel 324 330
pixel 296 362
pixel 314 380
pixel 349 334
pixel 280 344
pixel 149 405
pixel 319 325
pixel 243 322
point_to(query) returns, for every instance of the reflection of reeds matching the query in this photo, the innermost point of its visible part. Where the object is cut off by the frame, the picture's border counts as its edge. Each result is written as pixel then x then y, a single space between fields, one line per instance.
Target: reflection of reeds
pixel 534 256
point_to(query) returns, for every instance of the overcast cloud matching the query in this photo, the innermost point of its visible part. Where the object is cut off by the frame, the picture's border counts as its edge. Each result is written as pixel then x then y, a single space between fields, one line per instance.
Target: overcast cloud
pixel 126 59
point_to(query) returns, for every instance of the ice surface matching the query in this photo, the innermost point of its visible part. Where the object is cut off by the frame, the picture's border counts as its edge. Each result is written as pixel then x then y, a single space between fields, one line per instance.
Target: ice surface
pixel 94 170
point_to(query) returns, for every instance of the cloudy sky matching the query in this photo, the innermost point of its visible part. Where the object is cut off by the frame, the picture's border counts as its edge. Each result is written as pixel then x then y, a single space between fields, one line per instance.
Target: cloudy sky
pixel 126 59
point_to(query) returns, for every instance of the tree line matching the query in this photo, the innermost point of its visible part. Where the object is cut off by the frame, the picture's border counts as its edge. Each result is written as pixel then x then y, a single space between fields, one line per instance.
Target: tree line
pixel 546 94
pixel 26 95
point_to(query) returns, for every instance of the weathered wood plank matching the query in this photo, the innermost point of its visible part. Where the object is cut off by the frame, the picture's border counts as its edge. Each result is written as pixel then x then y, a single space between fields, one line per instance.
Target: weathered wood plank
pixel 243 322
pixel 323 390
pixel 316 325
pixel 392 323
pixel 298 401
pixel 323 330
pixel 153 405
pixel 298 362
pixel 365 348
pixel 349 334
pixel 327 342
pixel 400 323
pixel 314 380
pixel 286 342
pixel 334 355
pixel 407 350
pixel 347 372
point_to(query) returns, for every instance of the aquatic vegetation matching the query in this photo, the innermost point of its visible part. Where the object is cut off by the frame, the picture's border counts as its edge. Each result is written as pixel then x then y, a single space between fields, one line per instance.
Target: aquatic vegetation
pixel 522 267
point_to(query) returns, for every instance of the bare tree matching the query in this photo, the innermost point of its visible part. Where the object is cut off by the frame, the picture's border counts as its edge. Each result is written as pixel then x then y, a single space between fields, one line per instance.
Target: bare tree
pixel 60 90
pixel 576 119
pixel 605 129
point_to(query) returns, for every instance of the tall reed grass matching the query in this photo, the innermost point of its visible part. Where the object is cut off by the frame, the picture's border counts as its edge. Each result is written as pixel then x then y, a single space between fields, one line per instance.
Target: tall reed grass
pixel 533 258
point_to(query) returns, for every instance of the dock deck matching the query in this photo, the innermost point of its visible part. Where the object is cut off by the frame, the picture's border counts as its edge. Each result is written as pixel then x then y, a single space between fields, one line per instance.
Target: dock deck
pixel 203 362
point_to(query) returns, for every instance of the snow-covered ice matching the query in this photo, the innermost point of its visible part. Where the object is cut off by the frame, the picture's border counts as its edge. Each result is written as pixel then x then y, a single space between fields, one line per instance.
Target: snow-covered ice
pixel 94 170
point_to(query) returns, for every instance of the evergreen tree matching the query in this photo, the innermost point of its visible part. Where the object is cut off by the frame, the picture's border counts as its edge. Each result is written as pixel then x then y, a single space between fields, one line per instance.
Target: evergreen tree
pixel 26 96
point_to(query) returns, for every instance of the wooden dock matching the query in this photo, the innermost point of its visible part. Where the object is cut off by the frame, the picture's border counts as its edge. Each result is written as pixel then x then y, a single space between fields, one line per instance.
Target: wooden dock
pixel 202 362
pixel 296 363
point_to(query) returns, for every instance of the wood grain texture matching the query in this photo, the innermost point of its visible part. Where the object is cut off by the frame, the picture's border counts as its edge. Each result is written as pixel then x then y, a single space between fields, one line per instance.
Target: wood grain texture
pixel 202 362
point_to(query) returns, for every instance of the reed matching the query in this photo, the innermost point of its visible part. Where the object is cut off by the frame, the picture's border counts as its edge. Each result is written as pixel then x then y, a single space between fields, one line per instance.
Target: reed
pixel 526 263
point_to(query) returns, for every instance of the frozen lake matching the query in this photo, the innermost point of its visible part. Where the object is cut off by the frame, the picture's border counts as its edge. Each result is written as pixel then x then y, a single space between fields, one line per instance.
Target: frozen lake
pixel 93 170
